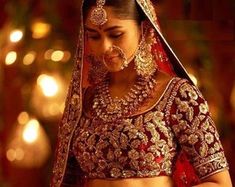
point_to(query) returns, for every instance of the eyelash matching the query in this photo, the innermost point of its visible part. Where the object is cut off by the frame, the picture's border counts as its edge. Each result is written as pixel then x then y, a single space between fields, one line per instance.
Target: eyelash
pixel 115 36
pixel 93 37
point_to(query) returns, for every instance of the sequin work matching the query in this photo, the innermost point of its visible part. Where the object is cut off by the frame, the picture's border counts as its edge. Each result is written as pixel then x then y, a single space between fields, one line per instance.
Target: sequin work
pixel 147 145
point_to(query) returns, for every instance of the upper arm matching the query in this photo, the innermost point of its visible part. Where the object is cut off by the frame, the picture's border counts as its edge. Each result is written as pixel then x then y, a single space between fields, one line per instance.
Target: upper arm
pixel 221 178
pixel 195 131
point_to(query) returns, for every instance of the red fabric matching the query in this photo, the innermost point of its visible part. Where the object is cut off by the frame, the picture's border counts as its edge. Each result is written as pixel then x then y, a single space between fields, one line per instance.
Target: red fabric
pixel 165 65
pixel 184 174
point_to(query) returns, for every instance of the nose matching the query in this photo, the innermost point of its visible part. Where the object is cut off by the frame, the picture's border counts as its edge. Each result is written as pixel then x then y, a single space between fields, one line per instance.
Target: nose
pixel 105 46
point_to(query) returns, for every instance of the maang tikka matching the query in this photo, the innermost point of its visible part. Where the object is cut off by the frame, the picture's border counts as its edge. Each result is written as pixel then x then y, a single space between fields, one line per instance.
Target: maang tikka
pixel 99 14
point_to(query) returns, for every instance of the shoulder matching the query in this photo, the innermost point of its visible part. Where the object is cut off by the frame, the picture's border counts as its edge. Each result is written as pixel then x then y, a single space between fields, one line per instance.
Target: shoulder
pixel 174 83
pixel 184 99
pixel 186 90
pixel 170 87
pixel 187 101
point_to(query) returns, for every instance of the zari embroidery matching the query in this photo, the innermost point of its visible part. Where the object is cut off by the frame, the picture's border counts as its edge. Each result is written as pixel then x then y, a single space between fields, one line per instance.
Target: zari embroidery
pixel 140 146
pixel 145 145
pixel 69 120
pixel 149 11
pixel 73 110
pixel 195 130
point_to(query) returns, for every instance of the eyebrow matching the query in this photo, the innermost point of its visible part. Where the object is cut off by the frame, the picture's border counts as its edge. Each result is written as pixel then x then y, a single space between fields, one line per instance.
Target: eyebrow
pixel 105 30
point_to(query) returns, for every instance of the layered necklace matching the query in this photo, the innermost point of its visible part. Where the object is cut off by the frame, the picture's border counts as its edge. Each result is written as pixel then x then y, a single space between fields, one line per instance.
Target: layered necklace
pixel 111 109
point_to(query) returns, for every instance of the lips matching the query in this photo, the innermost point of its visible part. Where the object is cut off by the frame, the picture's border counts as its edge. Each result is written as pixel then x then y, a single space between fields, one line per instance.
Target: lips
pixel 109 58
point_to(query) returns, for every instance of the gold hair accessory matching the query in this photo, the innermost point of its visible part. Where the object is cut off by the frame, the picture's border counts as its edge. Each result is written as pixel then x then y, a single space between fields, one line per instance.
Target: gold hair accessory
pixel 98 14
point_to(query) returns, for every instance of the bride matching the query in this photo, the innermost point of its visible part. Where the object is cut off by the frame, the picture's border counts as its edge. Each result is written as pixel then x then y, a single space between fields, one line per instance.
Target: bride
pixel 132 110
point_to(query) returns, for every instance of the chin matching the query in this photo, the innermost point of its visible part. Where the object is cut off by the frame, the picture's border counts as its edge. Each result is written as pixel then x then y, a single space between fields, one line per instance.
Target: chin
pixel 114 67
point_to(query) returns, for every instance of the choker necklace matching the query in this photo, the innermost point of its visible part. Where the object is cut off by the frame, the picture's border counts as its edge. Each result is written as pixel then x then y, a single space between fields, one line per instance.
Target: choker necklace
pixel 111 109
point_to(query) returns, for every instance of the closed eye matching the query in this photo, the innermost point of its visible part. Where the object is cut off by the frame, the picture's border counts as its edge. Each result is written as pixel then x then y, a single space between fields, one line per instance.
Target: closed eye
pixel 115 36
pixel 94 37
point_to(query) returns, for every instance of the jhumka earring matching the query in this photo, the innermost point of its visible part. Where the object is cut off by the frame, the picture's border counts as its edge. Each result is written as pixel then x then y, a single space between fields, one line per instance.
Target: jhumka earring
pixel 144 60
pixel 98 14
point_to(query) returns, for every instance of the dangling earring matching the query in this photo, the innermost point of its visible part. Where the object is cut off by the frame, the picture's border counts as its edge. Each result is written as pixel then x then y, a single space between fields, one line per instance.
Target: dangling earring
pixel 144 60
pixel 97 72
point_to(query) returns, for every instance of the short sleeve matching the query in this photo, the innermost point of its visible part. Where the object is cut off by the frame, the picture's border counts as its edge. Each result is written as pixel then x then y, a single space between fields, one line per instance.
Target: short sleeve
pixel 195 130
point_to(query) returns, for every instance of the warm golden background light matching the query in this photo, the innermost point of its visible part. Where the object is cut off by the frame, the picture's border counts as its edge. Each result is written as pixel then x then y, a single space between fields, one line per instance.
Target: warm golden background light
pixel 11 58
pixel 16 36
pixel 38 41
pixel 40 29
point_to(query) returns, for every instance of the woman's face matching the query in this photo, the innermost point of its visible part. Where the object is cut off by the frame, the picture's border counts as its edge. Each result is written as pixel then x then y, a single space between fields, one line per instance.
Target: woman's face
pixel 101 40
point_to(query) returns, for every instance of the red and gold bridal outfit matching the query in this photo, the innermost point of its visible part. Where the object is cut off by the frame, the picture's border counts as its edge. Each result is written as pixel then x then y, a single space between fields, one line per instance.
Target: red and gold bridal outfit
pixel 157 142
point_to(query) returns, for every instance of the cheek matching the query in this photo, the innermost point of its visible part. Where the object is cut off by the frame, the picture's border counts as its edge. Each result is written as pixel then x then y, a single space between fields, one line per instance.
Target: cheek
pixel 129 44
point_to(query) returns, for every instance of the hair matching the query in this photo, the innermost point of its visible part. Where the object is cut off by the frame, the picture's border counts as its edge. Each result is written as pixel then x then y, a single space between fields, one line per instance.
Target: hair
pixel 123 9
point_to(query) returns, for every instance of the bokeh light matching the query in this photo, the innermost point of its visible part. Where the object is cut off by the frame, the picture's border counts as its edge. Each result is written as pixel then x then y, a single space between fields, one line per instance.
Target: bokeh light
pixel 19 154
pixel 57 55
pixel 48 85
pixel 49 93
pixel 11 58
pixel 48 53
pixel 29 145
pixel 23 118
pixel 29 58
pixel 30 133
pixel 11 154
pixel 16 36
pixel 40 29
pixel 67 56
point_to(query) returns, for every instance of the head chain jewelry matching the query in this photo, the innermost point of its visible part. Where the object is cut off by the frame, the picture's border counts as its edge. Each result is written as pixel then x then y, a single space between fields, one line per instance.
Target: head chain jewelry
pixel 99 14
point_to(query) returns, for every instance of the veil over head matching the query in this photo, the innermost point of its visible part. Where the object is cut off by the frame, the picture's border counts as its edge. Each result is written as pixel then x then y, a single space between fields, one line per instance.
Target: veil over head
pixel 63 164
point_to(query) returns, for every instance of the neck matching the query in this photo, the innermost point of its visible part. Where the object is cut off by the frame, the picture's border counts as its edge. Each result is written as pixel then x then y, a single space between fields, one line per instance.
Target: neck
pixel 125 77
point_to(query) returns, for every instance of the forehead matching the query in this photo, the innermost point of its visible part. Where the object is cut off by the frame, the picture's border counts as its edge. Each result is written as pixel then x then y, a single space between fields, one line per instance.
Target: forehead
pixel 113 19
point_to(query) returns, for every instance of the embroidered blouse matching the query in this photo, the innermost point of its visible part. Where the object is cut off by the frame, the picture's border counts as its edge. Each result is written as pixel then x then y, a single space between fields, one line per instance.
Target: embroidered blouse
pixel 147 145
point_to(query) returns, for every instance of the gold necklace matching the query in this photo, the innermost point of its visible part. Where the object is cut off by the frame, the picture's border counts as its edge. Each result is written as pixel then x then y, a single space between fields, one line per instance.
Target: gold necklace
pixel 111 109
